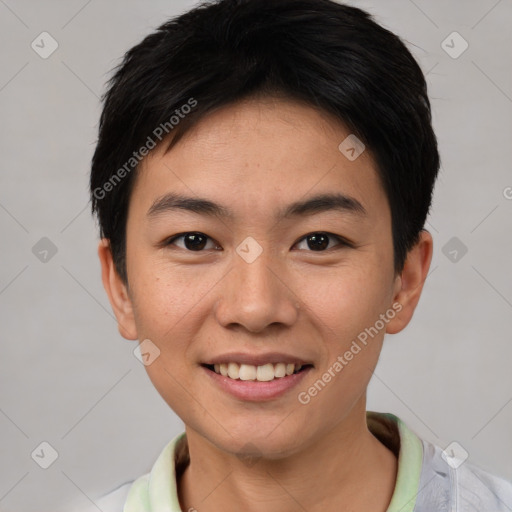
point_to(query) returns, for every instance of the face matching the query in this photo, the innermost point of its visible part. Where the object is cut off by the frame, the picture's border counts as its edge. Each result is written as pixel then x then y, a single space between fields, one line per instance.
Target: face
pixel 284 254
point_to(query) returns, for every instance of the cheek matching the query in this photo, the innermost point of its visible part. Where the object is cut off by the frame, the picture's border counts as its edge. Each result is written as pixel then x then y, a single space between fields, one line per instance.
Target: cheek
pixel 164 313
pixel 169 305
pixel 345 310
pixel 345 300
pixel 163 293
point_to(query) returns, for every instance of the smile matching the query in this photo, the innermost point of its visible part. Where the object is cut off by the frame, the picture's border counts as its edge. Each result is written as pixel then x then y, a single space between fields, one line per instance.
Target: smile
pixel 263 373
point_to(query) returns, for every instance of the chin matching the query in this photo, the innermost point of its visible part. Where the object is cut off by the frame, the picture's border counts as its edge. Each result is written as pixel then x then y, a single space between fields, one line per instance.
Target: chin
pixel 263 442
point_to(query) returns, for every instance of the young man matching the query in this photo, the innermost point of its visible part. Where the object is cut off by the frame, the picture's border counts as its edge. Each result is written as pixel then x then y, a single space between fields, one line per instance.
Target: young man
pixel 262 178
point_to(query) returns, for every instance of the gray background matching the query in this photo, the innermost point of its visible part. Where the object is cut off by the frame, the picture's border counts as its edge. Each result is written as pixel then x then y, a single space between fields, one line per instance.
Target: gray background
pixel 66 375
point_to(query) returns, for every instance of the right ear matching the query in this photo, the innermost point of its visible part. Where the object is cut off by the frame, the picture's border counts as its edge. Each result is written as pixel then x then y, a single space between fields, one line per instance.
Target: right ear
pixel 117 292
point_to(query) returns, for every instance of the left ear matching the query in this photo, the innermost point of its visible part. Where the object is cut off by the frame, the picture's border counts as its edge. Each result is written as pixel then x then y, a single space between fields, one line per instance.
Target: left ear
pixel 409 284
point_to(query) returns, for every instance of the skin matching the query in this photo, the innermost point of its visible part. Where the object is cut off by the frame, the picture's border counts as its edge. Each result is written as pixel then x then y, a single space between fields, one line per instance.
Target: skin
pixel 256 157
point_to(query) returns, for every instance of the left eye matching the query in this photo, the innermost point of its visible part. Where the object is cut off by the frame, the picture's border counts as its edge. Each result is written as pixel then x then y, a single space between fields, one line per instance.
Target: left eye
pixel 321 241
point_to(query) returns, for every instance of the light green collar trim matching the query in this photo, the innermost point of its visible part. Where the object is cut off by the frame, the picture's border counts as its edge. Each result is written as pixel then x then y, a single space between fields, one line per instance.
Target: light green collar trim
pixel 410 462
pixel 157 490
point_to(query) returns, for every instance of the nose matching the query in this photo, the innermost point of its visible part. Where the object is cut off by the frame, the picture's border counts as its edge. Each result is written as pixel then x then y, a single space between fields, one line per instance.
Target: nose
pixel 256 295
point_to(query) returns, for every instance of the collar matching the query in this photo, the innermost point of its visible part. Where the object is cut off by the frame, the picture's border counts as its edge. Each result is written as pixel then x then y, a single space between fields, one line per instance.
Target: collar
pixel 157 490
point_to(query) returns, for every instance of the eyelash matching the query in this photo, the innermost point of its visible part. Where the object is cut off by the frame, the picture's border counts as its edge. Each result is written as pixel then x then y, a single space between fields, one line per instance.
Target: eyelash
pixel 342 242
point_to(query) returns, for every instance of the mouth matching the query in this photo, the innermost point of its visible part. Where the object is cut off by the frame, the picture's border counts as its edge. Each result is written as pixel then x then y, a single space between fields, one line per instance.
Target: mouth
pixel 262 373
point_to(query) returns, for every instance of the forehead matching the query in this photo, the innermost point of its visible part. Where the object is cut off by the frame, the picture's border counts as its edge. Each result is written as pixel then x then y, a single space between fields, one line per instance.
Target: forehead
pixel 259 155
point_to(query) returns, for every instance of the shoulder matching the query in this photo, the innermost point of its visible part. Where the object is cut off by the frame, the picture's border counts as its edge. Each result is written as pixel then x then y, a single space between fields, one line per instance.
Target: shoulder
pixel 459 485
pixel 134 496
pixel 114 500
pixel 479 488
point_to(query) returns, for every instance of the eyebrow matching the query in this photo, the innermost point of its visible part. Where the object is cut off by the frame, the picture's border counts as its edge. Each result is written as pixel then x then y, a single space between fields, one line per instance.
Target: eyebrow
pixel 316 204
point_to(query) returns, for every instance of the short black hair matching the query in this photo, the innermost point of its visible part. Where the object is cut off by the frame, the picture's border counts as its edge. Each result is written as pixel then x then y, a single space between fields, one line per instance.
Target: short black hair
pixel 328 55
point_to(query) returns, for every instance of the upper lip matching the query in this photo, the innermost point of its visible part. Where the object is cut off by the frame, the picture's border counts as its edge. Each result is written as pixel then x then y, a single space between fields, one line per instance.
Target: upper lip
pixel 257 359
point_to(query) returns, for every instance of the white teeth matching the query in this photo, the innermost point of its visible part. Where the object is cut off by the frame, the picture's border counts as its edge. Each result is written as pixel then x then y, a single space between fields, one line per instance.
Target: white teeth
pixel 233 370
pixel 263 373
pixel 279 370
pixel 247 372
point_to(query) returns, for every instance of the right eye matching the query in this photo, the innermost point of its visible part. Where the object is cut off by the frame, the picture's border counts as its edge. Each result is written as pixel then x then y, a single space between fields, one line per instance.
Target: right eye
pixel 192 241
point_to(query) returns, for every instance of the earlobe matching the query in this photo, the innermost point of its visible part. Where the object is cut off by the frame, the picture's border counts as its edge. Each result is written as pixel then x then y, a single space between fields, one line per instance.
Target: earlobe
pixel 117 292
pixel 409 284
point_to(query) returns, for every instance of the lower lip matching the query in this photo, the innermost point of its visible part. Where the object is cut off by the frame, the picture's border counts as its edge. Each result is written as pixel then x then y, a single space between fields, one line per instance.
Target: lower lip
pixel 255 391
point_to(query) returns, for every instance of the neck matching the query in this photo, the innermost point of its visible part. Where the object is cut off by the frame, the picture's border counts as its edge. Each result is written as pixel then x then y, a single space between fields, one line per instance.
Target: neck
pixel 346 465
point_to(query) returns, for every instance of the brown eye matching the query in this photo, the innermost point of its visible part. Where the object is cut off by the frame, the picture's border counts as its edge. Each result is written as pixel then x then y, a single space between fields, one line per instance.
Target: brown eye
pixel 192 241
pixel 320 241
